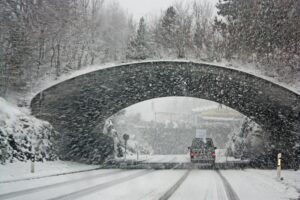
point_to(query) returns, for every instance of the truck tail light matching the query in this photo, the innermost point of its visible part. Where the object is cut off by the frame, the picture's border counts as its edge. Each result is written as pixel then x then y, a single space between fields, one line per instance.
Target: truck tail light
pixel 213 154
pixel 192 154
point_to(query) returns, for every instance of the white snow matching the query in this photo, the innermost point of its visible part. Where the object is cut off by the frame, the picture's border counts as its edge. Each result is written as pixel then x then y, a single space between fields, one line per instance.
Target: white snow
pixel 222 158
pixel 178 158
pixel 251 184
pixel 169 158
pixel 291 178
pixel 47 181
pixel 89 179
pixel 21 170
pixel 8 113
pixel 201 184
pixel 151 186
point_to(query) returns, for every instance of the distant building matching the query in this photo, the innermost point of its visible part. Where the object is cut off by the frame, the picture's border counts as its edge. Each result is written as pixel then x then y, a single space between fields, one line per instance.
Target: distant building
pixel 221 114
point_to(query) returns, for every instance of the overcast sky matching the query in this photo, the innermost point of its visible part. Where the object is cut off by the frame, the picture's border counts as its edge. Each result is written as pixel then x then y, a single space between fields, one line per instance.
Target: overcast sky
pixel 141 8
pixel 179 105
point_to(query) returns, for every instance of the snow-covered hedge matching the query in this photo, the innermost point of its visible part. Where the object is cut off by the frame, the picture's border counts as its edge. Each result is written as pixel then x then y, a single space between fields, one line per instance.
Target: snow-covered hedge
pixel 19 132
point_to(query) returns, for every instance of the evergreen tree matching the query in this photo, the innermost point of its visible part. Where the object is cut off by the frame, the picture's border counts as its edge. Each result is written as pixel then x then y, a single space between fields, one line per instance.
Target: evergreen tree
pixel 173 32
pixel 183 36
pixel 138 48
pixel 166 30
pixel 198 38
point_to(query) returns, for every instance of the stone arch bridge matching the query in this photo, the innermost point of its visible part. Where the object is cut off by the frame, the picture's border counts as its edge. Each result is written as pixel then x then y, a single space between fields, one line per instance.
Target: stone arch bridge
pixel 80 104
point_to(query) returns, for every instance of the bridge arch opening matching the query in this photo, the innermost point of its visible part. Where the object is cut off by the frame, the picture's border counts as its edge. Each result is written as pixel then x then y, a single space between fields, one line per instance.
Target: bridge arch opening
pixel 167 125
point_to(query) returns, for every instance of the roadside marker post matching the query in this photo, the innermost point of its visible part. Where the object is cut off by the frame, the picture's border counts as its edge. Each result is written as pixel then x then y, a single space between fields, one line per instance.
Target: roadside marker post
pixel 32 167
pixel 137 152
pixel 32 160
pixel 126 138
pixel 279 165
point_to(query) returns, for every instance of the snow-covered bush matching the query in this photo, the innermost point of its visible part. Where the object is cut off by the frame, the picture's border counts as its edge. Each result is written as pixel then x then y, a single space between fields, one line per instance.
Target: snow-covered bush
pixel 133 144
pixel 91 148
pixel 22 135
pixel 248 141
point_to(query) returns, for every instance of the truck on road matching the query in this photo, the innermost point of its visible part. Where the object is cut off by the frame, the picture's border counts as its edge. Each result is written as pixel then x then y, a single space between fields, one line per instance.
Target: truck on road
pixel 202 150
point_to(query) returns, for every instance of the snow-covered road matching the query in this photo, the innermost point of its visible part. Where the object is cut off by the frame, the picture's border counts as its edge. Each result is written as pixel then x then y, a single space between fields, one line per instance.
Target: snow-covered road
pixel 113 184
pixel 168 158
pixel 179 158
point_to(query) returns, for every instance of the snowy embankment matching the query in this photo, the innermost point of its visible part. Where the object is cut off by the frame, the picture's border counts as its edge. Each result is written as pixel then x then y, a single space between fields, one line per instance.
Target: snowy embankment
pixel 21 170
pixel 22 135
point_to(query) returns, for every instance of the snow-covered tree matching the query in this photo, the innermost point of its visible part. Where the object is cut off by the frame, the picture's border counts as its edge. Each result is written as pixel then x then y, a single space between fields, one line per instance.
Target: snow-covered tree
pixel 250 141
pixel 183 34
pixel 166 30
pixel 203 30
pixel 264 31
pixel 138 48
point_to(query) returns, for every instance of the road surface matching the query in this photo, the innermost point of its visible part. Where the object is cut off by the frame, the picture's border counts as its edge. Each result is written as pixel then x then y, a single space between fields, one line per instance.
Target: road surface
pixel 113 184
pixel 180 158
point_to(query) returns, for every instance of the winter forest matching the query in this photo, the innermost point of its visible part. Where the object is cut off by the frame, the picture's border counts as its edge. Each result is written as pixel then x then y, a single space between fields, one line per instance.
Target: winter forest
pixel 42 40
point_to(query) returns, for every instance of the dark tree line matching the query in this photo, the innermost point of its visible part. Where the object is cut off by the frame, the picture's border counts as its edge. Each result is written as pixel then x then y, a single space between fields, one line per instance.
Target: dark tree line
pixel 48 38
pixel 264 31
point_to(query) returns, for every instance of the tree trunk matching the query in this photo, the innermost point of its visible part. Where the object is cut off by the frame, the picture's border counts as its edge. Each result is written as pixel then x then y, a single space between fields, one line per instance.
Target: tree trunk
pixel 57 67
pixel 80 57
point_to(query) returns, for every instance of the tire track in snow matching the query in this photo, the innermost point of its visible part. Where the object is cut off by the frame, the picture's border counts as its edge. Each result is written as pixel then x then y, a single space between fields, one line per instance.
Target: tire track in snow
pixel 231 195
pixel 171 191
pixel 220 188
pixel 45 187
pixel 86 191
pixel 51 175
